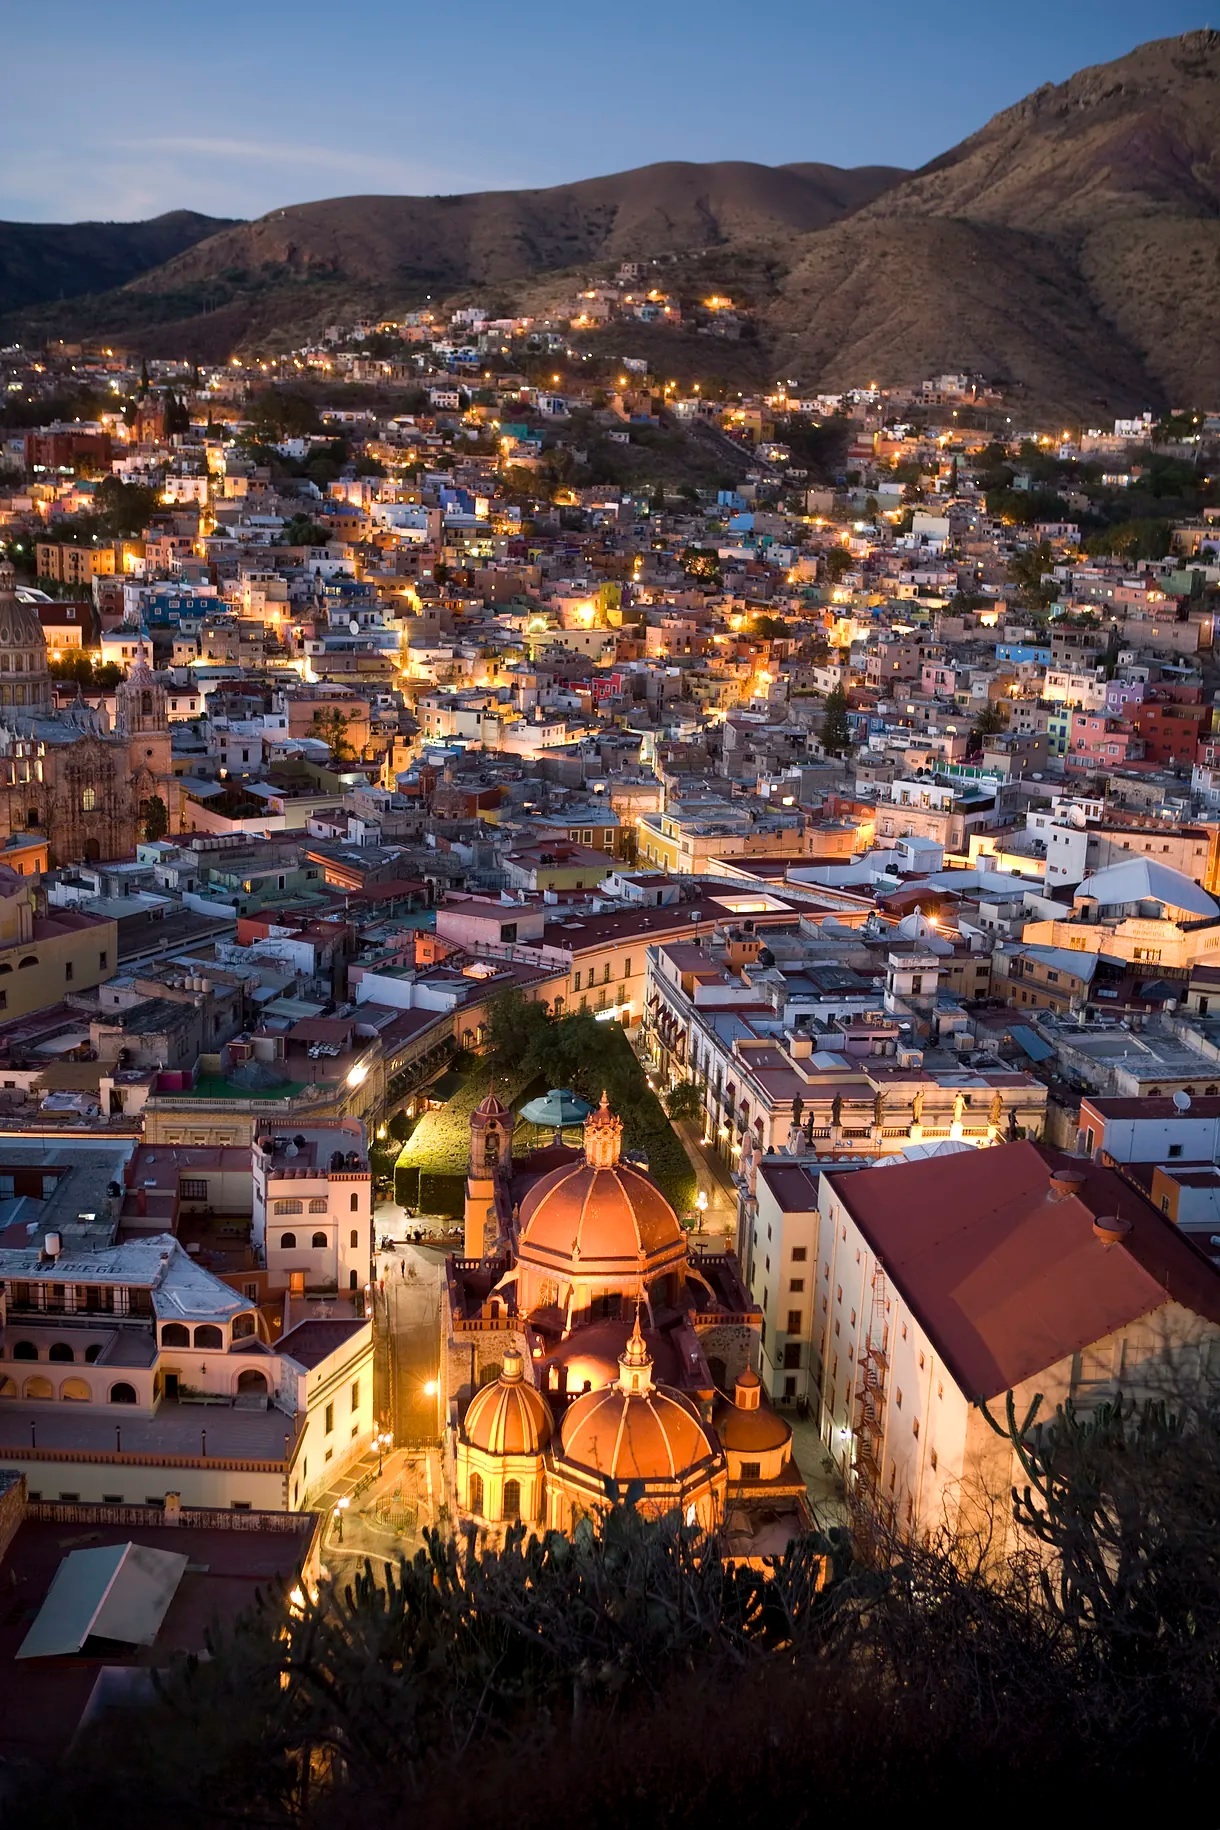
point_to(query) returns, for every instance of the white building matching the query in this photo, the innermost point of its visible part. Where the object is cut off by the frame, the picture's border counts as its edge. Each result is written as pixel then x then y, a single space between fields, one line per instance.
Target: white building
pixel 129 1372
pixel 943 1285
pixel 313 1208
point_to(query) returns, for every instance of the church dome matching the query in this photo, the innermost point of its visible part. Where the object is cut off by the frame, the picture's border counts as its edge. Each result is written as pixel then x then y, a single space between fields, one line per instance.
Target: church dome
pixel 508 1417
pixel 746 1426
pixel 24 679
pixel 634 1430
pixel 599 1213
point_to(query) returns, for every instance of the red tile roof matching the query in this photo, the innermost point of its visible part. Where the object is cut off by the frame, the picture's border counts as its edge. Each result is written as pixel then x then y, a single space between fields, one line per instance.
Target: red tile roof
pixel 1007 1279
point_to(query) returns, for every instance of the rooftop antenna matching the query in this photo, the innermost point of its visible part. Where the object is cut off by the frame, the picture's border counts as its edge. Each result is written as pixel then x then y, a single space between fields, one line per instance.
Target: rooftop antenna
pixel 1182 1101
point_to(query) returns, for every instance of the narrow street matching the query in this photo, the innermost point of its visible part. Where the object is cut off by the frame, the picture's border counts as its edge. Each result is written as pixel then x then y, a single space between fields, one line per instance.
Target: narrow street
pixel 714 1181
pixel 386 1513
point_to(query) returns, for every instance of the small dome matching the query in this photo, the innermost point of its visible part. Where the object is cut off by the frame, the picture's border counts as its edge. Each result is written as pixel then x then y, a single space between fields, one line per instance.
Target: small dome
pixel 747 1426
pixel 634 1430
pixel 650 1435
pixel 601 1213
pixel 508 1417
pixel 489 1110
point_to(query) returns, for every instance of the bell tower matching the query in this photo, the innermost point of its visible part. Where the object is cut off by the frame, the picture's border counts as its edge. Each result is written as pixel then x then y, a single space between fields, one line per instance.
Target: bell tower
pixel 140 701
pixel 491 1149
pixel 603 1137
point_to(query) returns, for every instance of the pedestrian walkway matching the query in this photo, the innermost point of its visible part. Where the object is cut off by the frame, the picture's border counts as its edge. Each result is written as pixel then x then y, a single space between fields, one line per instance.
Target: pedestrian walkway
pixel 823 1482
pixel 713 1181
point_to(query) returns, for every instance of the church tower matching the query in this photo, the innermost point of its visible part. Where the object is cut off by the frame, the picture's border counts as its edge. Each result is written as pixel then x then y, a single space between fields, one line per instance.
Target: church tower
pixel 140 701
pixel 25 683
pixel 491 1147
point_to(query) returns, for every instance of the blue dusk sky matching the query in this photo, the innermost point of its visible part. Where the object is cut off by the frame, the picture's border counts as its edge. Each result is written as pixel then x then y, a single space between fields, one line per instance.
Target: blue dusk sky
pixel 116 109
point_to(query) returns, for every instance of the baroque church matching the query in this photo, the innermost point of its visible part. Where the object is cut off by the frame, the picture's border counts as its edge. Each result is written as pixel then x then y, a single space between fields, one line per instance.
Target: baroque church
pixel 590 1356
pixel 66 774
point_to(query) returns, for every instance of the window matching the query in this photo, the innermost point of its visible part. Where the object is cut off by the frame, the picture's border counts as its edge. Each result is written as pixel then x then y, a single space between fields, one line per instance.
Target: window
pixel 355 1203
pixel 751 1470
pixel 576 981
pixel 1175 1149
pixel 122 1394
pixel 288 1242
pixel 318 1242
pixel 24 1350
pixel 792 1353
pixel 512 1500
pixel 328 1422
pixel 798 1254
pixel 933 1459
pixel 88 800
pixel 476 1493
pixel 194 1189
pixel 795 1286
pixel 68 969
pixel 794 1321
pixel 209 1335
pixel 317 1204
pixel 355 1394
pixel 175 1334
pixel 898 1399
pixel 60 1351
pixel 288 1207
pixel 915 1426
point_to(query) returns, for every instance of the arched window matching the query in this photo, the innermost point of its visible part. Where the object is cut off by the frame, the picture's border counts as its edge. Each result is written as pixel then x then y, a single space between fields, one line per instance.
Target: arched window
pixel 355 1237
pixel 175 1334
pixel 317 1204
pixel 38 1387
pixel 288 1242
pixel 91 1353
pixel 355 1203
pixel 318 1242
pixel 122 1394
pixel 75 1391
pixel 208 1335
pixel 60 1351
pixel 352 1283
pixel 31 959
pixel 88 800
pixel 512 1499
pixel 24 1350
pixel 7 1388
pixel 288 1207
pixel 5 968
pixel 251 1381
pixel 243 1326
pixel 476 1493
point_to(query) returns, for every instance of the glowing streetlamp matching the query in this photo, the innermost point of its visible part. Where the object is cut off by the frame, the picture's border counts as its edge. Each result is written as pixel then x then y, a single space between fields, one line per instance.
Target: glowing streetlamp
pixel 341 1507
pixel 382 1441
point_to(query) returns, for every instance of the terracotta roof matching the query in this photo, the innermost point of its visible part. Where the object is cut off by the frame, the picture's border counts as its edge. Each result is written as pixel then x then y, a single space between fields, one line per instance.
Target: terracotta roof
pixel 609 1217
pixel 1005 1278
pixel 508 1417
pixel 653 1435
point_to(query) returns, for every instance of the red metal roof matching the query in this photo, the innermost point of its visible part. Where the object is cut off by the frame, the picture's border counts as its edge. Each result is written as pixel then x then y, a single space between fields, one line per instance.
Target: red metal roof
pixel 1005 1277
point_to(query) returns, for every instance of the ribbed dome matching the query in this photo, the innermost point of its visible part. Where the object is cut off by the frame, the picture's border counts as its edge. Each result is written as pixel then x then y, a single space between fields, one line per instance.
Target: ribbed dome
pixel 24 679
pixel 614 1217
pixel 649 1435
pixel 508 1417
pixel 753 1430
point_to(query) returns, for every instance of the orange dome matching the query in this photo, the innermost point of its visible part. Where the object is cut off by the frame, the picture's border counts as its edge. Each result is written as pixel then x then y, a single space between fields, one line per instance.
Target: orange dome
pixel 616 1218
pixel 750 1432
pixel 508 1417
pixel 650 1435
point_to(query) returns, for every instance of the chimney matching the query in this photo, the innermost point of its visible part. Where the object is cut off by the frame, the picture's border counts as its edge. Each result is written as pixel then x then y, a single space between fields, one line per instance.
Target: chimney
pixel 1111 1229
pixel 1065 1182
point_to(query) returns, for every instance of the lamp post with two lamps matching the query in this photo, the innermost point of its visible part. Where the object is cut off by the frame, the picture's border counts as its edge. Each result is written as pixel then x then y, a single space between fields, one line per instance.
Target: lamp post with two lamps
pixel 341 1507
pixel 382 1441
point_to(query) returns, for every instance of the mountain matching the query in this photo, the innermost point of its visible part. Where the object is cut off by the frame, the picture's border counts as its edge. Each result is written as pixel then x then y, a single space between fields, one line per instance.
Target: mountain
pixel 1071 246
pixel 297 267
pixel 1069 249
pixel 43 261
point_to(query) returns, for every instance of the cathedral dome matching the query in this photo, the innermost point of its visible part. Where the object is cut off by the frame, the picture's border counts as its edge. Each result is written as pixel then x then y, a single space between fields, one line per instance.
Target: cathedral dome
pixel 24 679
pixel 748 1427
pixel 508 1417
pixel 599 1214
pixel 634 1430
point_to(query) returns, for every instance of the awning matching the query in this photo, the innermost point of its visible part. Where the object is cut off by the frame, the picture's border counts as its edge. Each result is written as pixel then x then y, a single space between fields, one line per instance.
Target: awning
pixel 1030 1043
pixel 118 1592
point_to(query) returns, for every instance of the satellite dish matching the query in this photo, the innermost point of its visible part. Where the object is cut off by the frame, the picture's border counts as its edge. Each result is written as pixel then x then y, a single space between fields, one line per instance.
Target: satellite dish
pixel 1182 1101
pixel 353 625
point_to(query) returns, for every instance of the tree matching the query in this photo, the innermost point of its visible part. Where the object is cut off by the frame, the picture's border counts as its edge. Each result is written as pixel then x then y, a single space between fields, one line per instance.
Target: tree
pixel 837 563
pixel 836 730
pixel 1028 573
pixel 332 727
pixel 685 1101
pixel 123 510
pixel 279 413
pixel 303 530
pixel 156 819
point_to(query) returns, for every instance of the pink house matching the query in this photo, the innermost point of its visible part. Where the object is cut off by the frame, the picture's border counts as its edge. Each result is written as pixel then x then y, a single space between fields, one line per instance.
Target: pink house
pixel 1096 742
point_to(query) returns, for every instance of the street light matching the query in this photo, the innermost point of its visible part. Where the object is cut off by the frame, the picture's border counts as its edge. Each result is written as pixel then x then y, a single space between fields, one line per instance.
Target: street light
pixel 381 1442
pixel 341 1507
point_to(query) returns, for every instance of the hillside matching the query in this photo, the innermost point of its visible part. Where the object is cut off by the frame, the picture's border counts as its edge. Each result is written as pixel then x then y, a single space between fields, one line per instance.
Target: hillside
pixel 44 261
pixel 1069 249
pixel 1077 235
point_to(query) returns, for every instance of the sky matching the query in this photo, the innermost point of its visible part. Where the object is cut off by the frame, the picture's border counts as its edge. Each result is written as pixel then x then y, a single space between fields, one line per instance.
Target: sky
pixel 119 109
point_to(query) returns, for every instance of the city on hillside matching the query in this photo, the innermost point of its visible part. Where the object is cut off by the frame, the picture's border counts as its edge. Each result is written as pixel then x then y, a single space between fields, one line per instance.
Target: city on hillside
pixel 609 1059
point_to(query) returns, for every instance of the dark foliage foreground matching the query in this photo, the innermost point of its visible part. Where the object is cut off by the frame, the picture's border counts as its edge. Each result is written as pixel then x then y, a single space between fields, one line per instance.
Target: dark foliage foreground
pixel 632 1674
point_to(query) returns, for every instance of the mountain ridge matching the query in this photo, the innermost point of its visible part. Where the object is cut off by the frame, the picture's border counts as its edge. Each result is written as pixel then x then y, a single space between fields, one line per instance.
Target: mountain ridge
pixel 1070 249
